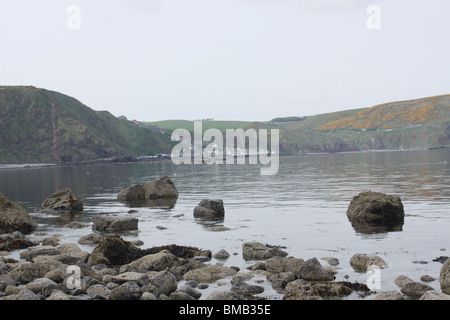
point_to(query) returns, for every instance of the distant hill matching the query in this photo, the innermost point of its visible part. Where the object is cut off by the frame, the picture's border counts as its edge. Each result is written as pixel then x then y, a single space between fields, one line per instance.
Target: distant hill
pixel 38 125
pixel 413 124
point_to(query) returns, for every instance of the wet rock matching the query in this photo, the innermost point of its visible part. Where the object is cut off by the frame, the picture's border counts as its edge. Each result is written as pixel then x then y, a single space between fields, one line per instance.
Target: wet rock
pixel 13 217
pixel 372 212
pixel 15 241
pixel 258 251
pixel 221 255
pixel 444 277
pixel 114 250
pixel 279 264
pixel 92 238
pixel 402 281
pixel 434 295
pixel 312 270
pixel 165 282
pixel 6 281
pixel 305 290
pixel 209 274
pixel 26 294
pixel 140 278
pixel 114 224
pixel 39 284
pixel 415 290
pixel 153 262
pixel 160 192
pixel 33 252
pixel 209 209
pixel 360 262
pixel 246 289
pixel 127 291
pixel 224 295
pixel 77 225
pixel 332 261
pixel 280 280
pixel 440 259
pixel 389 295
pixel 427 278
pixel 29 271
pixel 180 296
pixel 190 291
pixel 98 292
pixel 62 201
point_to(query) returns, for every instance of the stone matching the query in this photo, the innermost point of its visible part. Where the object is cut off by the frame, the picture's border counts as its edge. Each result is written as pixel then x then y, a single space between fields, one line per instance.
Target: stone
pixel 13 217
pixel 177 295
pixel 77 225
pixel 29 271
pixel 360 262
pixel 148 296
pixel 190 291
pixel 6 281
pixel 444 277
pixel 434 295
pixel 415 290
pixel 26 294
pixel 246 289
pixel 427 278
pixel 209 209
pixel 332 261
pixel 209 274
pixel 140 278
pixel 160 192
pixel 304 290
pixel 127 291
pixel 15 241
pixel 92 238
pixel 153 262
pixel 165 282
pixel 312 270
pixel 373 212
pixel 221 255
pixel 224 295
pixel 258 251
pixel 402 280
pixel 33 252
pixel 60 295
pixel 279 264
pixel 389 295
pixel 98 292
pixel 114 224
pixel 62 201
pixel 114 250
pixel 38 284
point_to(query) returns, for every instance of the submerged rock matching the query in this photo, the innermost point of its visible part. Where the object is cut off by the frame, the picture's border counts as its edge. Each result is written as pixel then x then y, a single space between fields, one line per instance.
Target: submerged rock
pixel 209 209
pixel 62 201
pixel 13 217
pixel 372 212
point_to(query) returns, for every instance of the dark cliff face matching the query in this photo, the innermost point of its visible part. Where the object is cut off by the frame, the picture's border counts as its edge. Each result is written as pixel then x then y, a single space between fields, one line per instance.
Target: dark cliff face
pixel 38 125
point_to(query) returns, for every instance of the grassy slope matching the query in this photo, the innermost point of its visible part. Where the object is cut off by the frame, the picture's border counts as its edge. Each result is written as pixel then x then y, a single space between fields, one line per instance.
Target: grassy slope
pixel 38 125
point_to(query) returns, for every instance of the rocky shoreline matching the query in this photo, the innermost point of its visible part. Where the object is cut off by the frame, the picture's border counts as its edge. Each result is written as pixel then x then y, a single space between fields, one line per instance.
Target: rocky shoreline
pixel 116 269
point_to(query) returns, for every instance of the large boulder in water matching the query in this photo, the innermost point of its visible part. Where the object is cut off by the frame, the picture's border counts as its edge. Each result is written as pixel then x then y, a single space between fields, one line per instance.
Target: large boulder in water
pixel 160 192
pixel 62 201
pixel 210 209
pixel 372 212
pixel 13 217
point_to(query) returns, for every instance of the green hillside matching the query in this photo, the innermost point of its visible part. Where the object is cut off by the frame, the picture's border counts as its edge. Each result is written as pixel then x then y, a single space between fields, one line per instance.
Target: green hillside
pixel 38 125
pixel 413 124
pixel 171 125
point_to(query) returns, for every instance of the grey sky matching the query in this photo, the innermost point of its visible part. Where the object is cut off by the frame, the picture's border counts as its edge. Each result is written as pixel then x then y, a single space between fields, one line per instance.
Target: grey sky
pixel 227 59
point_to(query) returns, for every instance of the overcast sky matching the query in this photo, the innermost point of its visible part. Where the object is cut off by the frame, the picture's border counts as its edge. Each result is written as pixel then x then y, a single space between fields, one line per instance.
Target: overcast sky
pixel 227 59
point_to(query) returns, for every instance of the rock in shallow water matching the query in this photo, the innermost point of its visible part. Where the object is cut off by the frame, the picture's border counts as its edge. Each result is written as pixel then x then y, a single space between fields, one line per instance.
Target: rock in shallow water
pixel 14 217
pixel 373 212
pixel 62 201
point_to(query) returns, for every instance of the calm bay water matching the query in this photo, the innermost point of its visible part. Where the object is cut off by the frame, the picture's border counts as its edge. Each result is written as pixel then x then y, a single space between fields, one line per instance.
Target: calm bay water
pixel 302 208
